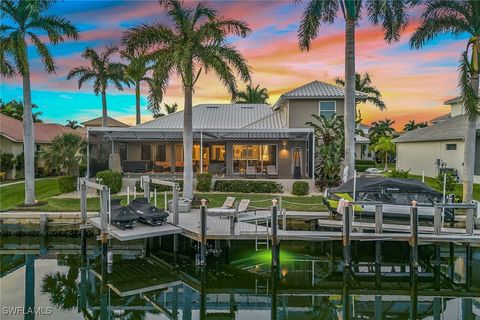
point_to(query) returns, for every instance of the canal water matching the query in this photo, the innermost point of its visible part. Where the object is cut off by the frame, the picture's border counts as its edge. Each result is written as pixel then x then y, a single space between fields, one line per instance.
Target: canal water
pixel 58 278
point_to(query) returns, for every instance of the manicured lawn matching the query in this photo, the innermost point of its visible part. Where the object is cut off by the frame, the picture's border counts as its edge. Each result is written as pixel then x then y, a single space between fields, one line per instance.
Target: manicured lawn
pixel 307 203
pixel 11 196
pixel 432 182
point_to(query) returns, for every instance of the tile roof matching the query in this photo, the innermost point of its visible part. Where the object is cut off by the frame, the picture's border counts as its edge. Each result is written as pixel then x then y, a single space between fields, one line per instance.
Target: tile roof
pixel 213 116
pixel 450 129
pixel 97 122
pixel 12 129
pixel 319 89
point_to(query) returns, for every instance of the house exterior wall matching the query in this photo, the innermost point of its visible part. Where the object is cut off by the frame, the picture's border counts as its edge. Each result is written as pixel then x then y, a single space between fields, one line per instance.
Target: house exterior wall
pixel 422 156
pixel 456 109
pixel 300 110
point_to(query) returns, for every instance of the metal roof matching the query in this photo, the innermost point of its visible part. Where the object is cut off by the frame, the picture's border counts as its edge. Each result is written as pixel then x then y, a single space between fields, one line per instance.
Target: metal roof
pixel 319 89
pixel 450 129
pixel 361 140
pixel 214 116
pixel 272 121
pixel 453 100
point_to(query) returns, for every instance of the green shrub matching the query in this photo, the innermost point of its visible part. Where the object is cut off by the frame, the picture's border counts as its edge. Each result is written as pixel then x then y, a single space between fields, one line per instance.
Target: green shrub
pixel 204 182
pixel 7 161
pixel 111 179
pixel 370 163
pixel 159 187
pixel 449 182
pixel 363 167
pixel 300 188
pixel 67 183
pixel 399 173
pixel 82 170
pixel 247 186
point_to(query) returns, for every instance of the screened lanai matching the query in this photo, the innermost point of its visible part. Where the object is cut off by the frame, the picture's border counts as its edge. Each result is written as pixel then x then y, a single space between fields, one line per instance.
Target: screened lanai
pixel 232 153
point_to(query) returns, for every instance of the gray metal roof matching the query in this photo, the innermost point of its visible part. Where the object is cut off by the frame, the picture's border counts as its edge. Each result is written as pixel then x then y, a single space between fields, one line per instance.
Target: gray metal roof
pixel 453 100
pixel 319 89
pixel 214 116
pixel 450 129
pixel 272 121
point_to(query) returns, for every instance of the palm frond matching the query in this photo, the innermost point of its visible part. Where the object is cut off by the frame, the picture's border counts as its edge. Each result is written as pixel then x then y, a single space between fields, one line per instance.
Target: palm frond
pixel 316 13
pixel 43 52
pixel 469 94
pixel 57 28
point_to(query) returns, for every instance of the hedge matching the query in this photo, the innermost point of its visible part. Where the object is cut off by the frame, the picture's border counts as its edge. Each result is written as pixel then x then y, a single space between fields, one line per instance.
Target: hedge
pixel 399 173
pixel 247 186
pixel 363 167
pixel 204 182
pixel 300 188
pixel 67 183
pixel 159 187
pixel 366 162
pixel 111 179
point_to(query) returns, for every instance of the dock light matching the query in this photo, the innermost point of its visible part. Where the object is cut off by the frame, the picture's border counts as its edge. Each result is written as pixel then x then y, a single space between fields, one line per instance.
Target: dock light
pixel 414 203
pixel 274 202
pixel 204 202
pixel 284 272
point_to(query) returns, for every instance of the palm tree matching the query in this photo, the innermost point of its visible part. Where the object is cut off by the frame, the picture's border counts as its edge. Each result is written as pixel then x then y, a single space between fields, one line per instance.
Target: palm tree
pixel 72 124
pixel 252 95
pixel 65 153
pixel 197 41
pixel 136 72
pixel 391 14
pixel 22 20
pixel 14 109
pixel 363 83
pixel 158 111
pixel 101 71
pixel 458 18
pixel 385 147
pixel 380 129
pixel 412 125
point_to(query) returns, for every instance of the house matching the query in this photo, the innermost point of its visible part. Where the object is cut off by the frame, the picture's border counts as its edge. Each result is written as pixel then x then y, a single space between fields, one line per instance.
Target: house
pixel 11 137
pixel 233 140
pixel 439 146
pixel 97 122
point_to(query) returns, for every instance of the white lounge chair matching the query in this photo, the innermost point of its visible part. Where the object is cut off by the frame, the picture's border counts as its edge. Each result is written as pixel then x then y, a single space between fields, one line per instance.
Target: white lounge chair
pixel 242 207
pixel 272 171
pixel 250 171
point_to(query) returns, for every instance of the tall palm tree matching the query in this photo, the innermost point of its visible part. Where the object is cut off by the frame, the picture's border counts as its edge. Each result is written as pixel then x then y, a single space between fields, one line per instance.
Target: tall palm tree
pixel 197 41
pixel 139 65
pixel 380 129
pixel 363 83
pixel 21 21
pixel 159 111
pixel 458 18
pixel 385 147
pixel 391 14
pixel 252 95
pixel 412 125
pixel 101 71
pixel 14 109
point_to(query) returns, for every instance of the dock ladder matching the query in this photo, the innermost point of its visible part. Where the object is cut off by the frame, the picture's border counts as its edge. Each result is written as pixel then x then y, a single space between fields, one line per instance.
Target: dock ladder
pixel 262 241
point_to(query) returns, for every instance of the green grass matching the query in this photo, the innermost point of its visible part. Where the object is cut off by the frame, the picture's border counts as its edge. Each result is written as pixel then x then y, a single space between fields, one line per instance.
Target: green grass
pixel 14 195
pixel 432 182
pixel 307 203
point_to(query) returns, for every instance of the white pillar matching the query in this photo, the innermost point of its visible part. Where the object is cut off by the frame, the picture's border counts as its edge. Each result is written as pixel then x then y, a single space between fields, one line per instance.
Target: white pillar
pixel 201 151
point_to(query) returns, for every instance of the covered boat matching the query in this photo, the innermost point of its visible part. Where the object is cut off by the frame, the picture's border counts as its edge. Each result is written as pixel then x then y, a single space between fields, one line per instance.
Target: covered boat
pixel 147 213
pixel 396 195
pixel 121 216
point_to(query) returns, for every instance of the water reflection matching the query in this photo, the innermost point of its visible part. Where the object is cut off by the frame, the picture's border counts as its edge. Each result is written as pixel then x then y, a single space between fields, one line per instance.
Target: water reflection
pixel 313 285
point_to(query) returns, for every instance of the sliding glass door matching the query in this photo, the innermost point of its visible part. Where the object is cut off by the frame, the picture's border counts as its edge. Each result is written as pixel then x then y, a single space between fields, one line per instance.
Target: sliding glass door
pixel 254 156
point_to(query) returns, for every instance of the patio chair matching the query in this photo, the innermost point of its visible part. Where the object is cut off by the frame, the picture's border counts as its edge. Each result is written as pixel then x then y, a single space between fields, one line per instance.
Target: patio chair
pixel 250 172
pixel 228 204
pixel 272 172
pixel 241 208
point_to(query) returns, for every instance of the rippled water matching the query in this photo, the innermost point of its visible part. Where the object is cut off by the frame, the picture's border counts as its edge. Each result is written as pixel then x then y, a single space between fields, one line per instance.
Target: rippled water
pixel 146 281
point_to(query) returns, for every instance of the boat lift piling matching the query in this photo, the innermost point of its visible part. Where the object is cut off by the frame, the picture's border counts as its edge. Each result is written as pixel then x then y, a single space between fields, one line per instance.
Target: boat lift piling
pixel 347 226
pixel 414 238
pixel 275 243
pixel 203 233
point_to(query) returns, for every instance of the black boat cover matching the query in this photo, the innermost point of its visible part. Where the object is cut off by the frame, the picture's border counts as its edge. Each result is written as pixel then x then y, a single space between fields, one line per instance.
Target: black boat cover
pixel 142 207
pixel 377 184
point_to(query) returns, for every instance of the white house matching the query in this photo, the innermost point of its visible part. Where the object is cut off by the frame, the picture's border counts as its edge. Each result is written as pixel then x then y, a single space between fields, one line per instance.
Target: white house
pixel 441 145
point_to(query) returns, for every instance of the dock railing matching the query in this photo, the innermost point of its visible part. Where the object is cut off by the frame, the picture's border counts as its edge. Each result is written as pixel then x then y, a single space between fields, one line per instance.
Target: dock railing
pixel 438 219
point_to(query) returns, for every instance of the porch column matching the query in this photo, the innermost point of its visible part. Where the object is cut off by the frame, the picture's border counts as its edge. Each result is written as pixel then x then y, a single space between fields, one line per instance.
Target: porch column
pixel 172 158
pixel 201 151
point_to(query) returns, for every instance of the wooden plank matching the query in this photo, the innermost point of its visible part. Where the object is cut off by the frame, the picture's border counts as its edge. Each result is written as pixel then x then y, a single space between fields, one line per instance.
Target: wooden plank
pixel 140 231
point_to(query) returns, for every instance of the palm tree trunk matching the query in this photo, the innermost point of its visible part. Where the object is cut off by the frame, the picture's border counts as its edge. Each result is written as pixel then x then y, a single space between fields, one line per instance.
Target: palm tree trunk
pixel 104 109
pixel 187 145
pixel 137 102
pixel 470 142
pixel 28 140
pixel 349 116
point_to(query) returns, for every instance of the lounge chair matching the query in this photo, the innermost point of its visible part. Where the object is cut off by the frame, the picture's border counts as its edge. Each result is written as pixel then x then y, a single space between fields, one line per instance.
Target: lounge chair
pixel 241 208
pixel 272 171
pixel 250 172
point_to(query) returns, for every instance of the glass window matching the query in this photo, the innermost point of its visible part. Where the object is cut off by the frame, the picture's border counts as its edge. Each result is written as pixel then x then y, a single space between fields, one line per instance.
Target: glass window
pixel 256 156
pixel 451 146
pixel 327 109
pixel 161 152
pixel 146 152
pixel 217 153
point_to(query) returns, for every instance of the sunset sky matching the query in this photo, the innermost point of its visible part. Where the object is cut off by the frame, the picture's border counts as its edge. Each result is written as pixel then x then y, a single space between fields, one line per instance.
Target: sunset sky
pixel 414 83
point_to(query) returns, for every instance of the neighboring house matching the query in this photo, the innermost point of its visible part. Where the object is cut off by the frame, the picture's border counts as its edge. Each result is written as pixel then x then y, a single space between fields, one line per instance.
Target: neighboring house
pixel 428 150
pixel 11 136
pixel 236 140
pixel 97 122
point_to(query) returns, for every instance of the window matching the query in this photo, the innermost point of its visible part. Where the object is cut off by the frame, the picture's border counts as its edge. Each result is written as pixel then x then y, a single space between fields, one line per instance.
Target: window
pixel 146 152
pixel 161 152
pixel 257 156
pixel 451 146
pixel 217 153
pixel 327 108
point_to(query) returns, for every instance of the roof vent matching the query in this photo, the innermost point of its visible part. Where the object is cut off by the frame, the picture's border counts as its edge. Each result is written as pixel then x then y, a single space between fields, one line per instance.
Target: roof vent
pixel 212 107
pixel 246 107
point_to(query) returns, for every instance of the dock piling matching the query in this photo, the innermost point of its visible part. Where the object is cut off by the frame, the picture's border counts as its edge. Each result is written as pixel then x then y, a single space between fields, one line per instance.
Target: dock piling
pixel 203 232
pixel 347 216
pixel 145 182
pixel 175 204
pixel 414 236
pixel 275 245
pixel 437 220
